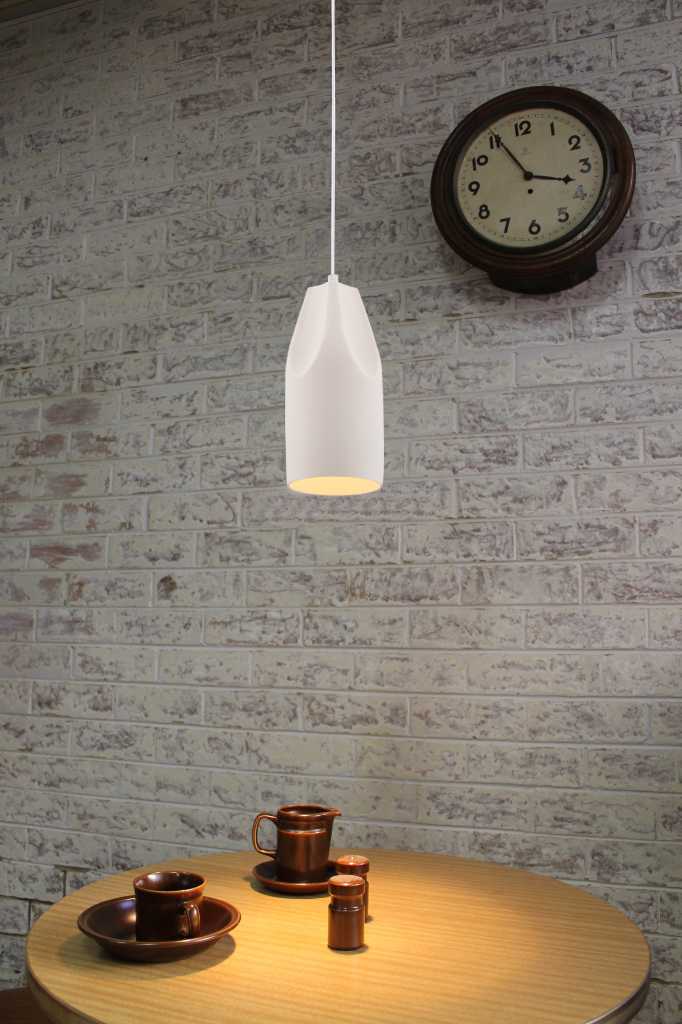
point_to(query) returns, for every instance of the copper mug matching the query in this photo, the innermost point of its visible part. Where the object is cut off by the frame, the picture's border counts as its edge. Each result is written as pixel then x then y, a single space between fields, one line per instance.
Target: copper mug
pixel 304 833
pixel 168 905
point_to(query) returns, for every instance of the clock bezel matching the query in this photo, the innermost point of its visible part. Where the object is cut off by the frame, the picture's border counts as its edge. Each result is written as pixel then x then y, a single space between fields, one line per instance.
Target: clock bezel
pixel 577 229
pixel 552 259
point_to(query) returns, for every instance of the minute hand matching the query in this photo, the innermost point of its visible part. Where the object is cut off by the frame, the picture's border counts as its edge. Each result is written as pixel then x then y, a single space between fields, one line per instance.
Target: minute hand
pixel 528 175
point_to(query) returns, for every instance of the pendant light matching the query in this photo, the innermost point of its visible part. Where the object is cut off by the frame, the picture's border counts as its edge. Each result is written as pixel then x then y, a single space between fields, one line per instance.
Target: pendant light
pixel 334 392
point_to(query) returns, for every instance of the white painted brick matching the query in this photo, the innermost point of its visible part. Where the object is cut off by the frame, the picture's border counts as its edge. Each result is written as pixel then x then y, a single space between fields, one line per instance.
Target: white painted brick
pixel 135 703
pixel 245 547
pixel 586 628
pixel 515 495
pixel 441 457
pixel 73 700
pixel 191 588
pixel 67 553
pixel 615 767
pixel 296 588
pixel 588 721
pixel 593 812
pixel 151 551
pixel 326 670
pixel 660 536
pixel 134 476
pixel 565 62
pixel 102 515
pixel 217 432
pixel 567 363
pixel 563 856
pixel 634 862
pixel 397 500
pixel 540 407
pixel 634 491
pixel 665 627
pixel 614 403
pixel 414 585
pixel 362 627
pixel 67 480
pixel 466 628
pixel 376 714
pixel 261 627
pixel 192 511
pixel 576 538
pixel 525 764
pixel 632 583
pixel 322 544
pixel 581 449
pixel 475 806
pixel 113 589
pixel 584 20
pixel 73 624
pixel 204 667
pixel 158 626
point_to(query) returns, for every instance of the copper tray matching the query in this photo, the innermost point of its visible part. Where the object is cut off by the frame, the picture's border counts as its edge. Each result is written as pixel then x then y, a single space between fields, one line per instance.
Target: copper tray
pixel 266 874
pixel 112 925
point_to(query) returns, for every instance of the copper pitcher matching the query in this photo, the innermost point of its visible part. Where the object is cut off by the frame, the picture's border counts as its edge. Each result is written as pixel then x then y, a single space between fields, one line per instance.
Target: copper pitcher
pixel 304 833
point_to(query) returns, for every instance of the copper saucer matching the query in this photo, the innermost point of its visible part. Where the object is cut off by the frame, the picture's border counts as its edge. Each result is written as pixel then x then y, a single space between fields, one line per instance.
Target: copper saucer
pixel 112 925
pixel 266 874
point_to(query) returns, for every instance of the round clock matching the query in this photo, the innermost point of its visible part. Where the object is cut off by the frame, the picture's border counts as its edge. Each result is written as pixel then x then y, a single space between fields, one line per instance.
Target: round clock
pixel 530 186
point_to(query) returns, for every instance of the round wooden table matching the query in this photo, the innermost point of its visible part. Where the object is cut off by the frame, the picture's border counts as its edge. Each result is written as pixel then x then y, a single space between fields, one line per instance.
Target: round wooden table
pixel 450 940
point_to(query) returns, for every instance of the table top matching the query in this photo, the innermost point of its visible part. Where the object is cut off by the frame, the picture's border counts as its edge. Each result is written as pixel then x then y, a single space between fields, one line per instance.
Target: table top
pixel 449 939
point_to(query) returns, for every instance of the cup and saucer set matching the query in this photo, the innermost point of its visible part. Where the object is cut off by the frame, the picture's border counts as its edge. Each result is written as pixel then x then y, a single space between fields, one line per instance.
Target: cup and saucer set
pixel 167 918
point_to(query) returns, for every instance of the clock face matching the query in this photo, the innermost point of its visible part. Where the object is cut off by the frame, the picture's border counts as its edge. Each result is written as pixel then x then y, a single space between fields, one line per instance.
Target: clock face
pixel 531 178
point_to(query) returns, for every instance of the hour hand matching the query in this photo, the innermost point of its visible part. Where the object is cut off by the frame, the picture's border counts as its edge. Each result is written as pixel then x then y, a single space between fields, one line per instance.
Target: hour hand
pixel 567 179
pixel 528 175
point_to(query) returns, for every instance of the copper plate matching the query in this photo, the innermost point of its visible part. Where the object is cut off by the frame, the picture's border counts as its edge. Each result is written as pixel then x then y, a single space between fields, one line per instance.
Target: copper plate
pixel 112 925
pixel 266 874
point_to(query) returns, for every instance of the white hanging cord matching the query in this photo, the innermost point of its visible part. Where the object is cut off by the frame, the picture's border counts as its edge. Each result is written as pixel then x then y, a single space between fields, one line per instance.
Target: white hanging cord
pixel 333 152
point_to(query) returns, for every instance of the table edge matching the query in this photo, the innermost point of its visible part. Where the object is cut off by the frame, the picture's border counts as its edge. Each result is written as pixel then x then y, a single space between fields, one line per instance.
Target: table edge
pixel 48 1003
pixel 630 1006
pixel 621 1014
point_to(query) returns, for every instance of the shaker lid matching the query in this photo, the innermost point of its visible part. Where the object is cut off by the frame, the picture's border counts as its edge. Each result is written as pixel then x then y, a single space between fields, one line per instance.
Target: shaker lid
pixel 346 885
pixel 353 862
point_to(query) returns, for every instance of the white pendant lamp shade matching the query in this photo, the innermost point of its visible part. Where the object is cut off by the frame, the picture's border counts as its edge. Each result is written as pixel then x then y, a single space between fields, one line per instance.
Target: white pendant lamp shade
pixel 334 393
pixel 334 396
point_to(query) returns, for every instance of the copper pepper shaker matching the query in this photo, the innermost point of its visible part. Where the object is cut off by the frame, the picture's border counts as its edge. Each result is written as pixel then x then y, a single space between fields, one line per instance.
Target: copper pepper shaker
pixel 346 912
pixel 355 864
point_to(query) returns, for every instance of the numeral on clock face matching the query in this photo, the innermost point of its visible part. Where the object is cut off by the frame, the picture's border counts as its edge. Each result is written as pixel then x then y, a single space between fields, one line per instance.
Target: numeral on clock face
pixel 538 180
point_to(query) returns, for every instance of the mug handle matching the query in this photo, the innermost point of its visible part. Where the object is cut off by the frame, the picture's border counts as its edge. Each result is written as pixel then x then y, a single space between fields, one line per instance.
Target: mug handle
pixel 254 833
pixel 192 919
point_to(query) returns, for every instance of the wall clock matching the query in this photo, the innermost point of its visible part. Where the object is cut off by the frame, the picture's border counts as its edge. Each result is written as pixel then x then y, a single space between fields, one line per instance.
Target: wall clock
pixel 530 186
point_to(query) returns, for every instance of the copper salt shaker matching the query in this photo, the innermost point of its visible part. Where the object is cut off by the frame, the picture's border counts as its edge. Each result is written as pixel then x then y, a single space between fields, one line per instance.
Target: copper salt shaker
pixel 355 864
pixel 346 912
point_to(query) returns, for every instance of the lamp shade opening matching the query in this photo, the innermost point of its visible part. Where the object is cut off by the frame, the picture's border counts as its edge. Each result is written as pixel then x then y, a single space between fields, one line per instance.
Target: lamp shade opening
pixel 334 485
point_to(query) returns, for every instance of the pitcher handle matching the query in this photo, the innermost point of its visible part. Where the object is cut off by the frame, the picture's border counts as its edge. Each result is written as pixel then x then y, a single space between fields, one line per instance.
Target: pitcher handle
pixel 254 833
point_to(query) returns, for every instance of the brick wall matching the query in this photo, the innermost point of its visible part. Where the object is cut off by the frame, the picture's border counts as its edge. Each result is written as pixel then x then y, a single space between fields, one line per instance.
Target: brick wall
pixel 482 659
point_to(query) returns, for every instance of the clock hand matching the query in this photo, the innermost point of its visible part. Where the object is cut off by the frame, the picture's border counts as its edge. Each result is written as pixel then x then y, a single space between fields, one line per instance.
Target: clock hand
pixel 548 177
pixel 528 175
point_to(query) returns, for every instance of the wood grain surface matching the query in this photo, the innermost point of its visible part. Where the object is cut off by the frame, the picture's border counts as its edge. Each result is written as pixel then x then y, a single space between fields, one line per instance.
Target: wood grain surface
pixel 450 940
